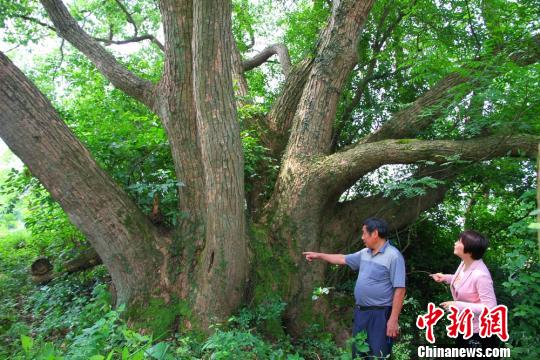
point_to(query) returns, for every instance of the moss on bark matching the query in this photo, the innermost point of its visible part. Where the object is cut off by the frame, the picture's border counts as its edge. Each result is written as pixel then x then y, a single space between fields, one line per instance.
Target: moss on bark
pixel 161 318
pixel 272 272
pixel 272 266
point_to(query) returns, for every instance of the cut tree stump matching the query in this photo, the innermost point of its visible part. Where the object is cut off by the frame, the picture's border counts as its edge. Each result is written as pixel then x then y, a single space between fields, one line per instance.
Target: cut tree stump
pixel 42 272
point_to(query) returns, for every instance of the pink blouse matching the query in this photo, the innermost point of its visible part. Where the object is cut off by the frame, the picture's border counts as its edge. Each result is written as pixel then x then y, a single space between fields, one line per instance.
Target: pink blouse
pixel 474 291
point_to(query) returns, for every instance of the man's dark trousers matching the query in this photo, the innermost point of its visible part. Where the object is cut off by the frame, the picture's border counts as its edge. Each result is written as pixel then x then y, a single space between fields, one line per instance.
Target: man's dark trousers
pixel 373 320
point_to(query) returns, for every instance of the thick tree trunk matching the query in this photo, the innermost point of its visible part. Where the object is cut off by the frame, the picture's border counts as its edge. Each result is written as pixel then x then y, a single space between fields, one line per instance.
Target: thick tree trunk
pixel 203 262
pixel 221 276
pixel 120 233
pixel 149 268
pixel 175 105
pixel 294 218
pixel 299 200
pixel 304 217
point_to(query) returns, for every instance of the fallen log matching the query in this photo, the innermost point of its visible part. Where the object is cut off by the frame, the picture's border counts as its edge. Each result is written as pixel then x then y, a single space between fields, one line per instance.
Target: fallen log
pixel 42 272
pixel 87 259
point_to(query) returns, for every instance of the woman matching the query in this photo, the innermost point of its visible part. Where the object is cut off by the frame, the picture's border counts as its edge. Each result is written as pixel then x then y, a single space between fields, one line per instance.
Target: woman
pixel 471 285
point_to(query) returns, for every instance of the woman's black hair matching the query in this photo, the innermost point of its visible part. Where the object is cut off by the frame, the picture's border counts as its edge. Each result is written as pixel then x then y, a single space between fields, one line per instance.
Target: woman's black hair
pixel 474 243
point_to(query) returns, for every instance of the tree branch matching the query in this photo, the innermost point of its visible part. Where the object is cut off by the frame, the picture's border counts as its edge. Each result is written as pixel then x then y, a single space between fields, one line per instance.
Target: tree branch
pixel 471 26
pixel 135 37
pixel 380 40
pixel 132 40
pixel 35 21
pixel 251 40
pixel 339 171
pixel 93 201
pixel 344 224
pixel 240 82
pixel 118 75
pixel 343 228
pixel 347 116
pixel 336 57
pixel 282 113
pixel 176 108
pixel 105 41
pixel 276 49
pixel 411 120
pixel 128 16
pixel 222 158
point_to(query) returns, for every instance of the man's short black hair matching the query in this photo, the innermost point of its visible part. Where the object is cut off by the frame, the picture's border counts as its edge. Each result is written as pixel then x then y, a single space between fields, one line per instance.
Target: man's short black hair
pixel 380 225
pixel 474 243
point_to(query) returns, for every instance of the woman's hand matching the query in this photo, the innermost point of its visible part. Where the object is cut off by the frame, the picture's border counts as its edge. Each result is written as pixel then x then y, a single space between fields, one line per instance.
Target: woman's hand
pixel 447 304
pixel 438 277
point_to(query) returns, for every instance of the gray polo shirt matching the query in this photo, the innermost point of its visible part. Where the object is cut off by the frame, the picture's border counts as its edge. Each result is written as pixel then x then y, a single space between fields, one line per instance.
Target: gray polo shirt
pixel 377 275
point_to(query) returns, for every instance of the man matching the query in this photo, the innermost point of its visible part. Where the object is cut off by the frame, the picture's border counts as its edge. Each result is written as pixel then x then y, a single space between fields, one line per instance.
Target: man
pixel 380 287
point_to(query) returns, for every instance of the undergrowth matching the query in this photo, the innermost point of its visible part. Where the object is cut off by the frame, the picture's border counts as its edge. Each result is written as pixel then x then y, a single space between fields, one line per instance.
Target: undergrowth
pixel 71 317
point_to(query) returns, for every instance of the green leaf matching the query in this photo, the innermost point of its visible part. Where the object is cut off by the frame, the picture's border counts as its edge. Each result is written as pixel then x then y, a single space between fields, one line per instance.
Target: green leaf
pixel 125 353
pixel 110 355
pixel 27 343
pixel 158 351
pixel 363 348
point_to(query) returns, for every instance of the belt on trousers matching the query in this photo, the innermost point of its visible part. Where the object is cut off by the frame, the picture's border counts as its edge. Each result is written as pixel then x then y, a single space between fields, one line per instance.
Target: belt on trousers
pixel 365 308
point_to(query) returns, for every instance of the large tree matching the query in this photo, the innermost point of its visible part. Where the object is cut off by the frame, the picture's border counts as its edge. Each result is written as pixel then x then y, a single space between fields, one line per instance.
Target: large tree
pixel 320 129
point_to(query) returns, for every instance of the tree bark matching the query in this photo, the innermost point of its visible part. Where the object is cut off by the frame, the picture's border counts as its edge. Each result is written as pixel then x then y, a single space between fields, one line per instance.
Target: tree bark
pixel 415 118
pixel 282 113
pixel 297 203
pixel 175 106
pixel 276 49
pixel 223 271
pixel 336 56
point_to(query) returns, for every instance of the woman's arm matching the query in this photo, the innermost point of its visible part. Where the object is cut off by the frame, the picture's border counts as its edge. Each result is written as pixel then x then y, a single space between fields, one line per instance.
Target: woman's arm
pixel 484 288
pixel 446 278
